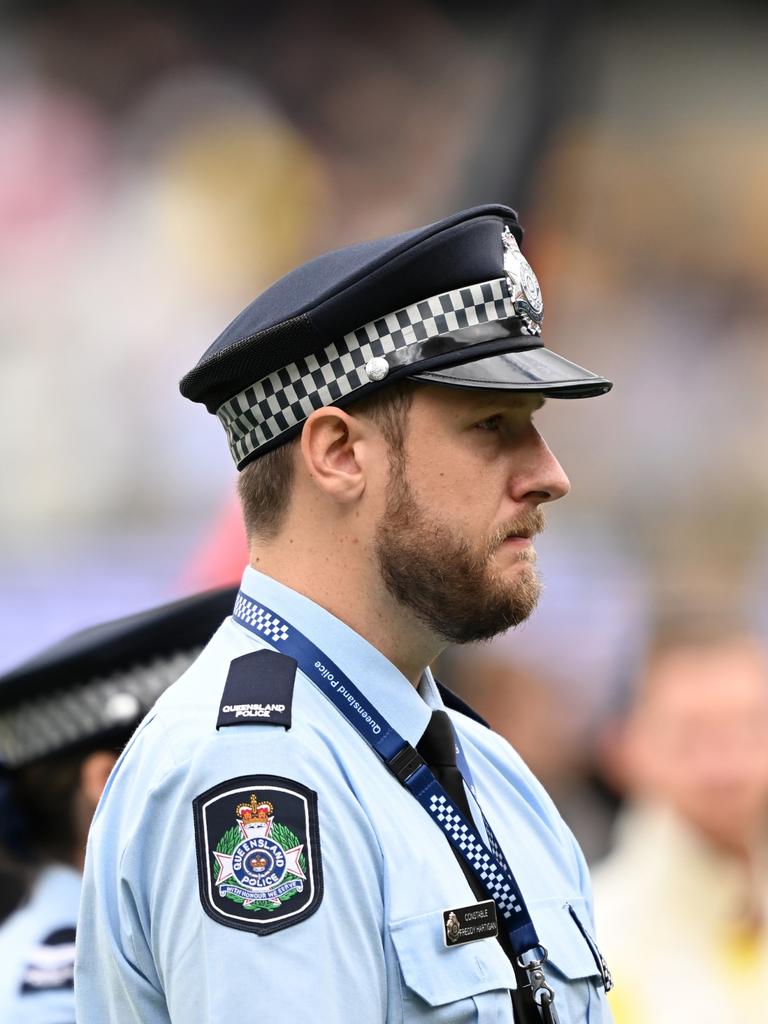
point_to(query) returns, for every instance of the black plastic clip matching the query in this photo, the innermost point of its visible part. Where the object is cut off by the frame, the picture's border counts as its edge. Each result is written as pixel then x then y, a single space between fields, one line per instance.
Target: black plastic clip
pixel 405 762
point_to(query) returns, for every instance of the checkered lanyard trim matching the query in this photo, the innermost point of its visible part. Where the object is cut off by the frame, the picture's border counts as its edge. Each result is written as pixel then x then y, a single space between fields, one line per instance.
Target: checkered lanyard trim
pixel 285 398
pixel 460 834
pixel 259 620
pixel 489 866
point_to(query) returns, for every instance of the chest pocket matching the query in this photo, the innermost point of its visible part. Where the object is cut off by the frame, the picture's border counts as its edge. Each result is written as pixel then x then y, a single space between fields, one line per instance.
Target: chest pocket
pixel 573 967
pixel 466 984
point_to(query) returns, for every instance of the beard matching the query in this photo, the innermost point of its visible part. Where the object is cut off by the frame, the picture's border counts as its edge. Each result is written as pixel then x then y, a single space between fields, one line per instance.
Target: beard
pixel 452 585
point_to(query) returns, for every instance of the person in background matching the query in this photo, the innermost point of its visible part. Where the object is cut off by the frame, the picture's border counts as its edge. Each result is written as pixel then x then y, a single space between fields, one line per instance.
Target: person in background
pixel 682 901
pixel 64 716
pixel 545 722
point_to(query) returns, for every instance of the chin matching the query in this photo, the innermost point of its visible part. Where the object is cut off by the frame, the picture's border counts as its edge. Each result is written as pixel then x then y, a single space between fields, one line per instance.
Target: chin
pixel 514 561
pixel 516 577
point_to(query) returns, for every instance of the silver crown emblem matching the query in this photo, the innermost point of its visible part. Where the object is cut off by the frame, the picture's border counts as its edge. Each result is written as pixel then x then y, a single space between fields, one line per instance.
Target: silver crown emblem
pixel 523 287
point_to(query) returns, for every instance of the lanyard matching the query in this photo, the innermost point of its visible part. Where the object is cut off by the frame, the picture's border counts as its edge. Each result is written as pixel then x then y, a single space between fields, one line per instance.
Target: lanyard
pixel 486 862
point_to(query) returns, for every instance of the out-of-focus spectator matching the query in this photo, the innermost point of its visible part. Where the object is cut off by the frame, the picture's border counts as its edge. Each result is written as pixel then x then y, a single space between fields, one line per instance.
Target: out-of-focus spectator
pixel 63 718
pixel 682 901
pixel 543 720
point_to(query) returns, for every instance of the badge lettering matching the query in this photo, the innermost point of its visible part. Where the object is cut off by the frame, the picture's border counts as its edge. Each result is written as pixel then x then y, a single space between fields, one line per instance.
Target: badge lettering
pixel 258 690
pixel 467 924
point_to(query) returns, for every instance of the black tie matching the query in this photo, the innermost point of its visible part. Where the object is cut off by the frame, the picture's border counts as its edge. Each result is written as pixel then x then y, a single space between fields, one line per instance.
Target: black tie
pixel 438 748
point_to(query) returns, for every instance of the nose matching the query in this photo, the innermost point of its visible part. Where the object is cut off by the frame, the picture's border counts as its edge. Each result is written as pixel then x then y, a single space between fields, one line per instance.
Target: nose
pixel 537 476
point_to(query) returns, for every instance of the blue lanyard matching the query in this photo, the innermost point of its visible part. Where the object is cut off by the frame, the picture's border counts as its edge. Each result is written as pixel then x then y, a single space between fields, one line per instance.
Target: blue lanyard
pixel 486 861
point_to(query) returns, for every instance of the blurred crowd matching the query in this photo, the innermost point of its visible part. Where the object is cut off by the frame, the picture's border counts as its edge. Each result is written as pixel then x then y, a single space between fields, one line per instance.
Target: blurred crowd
pixel 161 164
pixel 668 795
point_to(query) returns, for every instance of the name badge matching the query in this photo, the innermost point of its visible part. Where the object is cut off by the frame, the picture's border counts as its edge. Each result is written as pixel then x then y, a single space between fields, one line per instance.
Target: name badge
pixel 466 924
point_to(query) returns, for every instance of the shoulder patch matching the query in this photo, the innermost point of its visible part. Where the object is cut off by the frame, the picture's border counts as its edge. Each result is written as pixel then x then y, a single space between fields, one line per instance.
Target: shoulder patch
pixel 258 690
pixel 51 963
pixel 258 853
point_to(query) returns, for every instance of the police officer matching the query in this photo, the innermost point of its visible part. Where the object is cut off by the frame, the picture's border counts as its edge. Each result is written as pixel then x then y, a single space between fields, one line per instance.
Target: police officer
pixel 63 717
pixel 307 826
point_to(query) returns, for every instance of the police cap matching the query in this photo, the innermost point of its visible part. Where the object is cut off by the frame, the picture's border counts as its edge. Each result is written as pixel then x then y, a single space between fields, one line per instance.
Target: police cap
pixel 96 685
pixel 454 303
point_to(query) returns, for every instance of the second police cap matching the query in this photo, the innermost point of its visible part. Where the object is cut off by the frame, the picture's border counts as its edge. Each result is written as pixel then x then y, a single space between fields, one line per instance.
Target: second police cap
pixel 95 686
pixel 453 303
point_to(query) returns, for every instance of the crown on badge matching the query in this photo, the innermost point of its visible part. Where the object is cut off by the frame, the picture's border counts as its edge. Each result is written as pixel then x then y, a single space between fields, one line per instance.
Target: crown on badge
pixel 254 811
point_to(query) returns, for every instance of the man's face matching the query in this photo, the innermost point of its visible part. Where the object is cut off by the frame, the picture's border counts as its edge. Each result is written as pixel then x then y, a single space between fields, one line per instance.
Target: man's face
pixel 698 741
pixel 454 543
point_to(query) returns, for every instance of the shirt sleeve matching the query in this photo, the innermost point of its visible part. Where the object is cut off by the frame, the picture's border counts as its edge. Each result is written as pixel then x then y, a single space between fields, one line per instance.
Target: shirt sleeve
pixel 149 952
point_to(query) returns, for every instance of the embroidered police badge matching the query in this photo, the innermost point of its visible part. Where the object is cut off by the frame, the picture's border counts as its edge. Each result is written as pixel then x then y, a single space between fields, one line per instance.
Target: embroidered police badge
pixel 258 853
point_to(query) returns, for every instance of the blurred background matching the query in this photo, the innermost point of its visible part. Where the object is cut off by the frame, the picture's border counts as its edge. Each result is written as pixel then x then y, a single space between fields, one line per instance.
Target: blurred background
pixel 161 164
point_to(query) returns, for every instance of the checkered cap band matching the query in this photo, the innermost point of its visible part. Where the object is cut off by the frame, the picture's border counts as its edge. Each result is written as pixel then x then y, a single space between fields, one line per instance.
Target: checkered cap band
pixel 489 872
pixel 59 720
pixel 285 398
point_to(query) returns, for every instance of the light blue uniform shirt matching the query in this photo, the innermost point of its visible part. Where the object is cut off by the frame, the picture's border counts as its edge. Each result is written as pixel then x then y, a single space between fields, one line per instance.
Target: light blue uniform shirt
pixel 37 952
pixel 373 951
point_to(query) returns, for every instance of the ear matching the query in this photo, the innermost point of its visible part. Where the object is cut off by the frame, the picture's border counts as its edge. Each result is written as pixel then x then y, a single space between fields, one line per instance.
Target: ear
pixel 334 449
pixel 94 774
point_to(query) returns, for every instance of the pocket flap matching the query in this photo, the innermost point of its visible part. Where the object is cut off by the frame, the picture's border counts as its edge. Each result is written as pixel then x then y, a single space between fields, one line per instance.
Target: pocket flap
pixel 439 974
pixel 565 942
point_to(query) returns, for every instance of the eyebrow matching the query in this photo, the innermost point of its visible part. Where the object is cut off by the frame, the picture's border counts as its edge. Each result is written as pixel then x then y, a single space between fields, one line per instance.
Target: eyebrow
pixel 500 405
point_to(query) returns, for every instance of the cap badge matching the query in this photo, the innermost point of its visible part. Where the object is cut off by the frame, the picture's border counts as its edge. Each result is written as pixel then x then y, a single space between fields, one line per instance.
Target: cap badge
pixel 121 708
pixel 523 286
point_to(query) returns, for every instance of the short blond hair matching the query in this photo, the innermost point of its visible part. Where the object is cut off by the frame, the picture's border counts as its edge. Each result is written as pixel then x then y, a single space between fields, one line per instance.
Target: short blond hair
pixel 266 483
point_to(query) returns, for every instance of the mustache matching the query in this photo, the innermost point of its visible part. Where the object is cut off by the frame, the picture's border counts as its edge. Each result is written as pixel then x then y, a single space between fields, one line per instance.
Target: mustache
pixel 527 524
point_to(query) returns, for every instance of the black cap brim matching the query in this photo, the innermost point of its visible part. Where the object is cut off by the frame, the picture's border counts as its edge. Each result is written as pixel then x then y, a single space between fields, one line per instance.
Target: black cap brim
pixel 534 369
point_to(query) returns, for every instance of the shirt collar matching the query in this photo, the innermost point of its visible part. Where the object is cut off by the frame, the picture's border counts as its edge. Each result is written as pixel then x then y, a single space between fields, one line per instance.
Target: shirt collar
pixel 404 707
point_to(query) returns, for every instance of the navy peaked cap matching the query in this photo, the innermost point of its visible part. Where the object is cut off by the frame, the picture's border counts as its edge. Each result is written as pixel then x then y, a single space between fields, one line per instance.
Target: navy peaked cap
pixel 96 685
pixel 454 294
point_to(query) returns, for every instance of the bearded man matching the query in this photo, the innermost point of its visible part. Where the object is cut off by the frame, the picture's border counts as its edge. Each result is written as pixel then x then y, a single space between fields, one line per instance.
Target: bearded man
pixel 308 826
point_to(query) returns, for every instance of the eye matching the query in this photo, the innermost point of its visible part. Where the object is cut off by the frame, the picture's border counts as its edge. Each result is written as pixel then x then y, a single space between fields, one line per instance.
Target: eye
pixel 492 424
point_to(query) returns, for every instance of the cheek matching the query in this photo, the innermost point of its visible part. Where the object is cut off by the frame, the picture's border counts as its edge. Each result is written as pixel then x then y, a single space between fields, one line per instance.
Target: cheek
pixel 458 502
pixel 377 488
pixel 460 485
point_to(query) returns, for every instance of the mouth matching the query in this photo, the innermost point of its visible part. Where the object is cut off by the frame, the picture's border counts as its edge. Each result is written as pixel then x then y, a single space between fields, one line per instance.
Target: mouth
pixel 518 540
pixel 519 533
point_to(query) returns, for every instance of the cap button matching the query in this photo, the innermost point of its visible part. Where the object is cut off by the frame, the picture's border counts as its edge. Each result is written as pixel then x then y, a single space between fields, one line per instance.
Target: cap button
pixel 121 707
pixel 376 368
